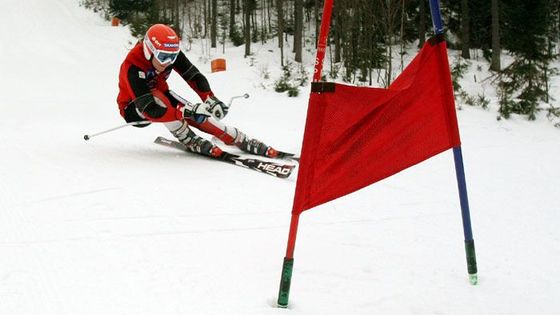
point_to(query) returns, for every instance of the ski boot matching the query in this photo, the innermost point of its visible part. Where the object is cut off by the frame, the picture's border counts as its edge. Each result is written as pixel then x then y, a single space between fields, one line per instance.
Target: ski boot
pixel 195 143
pixel 202 146
pixel 256 147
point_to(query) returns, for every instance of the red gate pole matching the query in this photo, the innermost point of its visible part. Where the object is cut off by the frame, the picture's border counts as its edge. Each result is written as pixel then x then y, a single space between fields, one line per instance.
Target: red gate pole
pixel 323 35
pixel 286 279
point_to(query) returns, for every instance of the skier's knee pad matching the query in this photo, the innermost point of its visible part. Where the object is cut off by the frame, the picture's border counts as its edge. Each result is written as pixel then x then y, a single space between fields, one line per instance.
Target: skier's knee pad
pixel 180 129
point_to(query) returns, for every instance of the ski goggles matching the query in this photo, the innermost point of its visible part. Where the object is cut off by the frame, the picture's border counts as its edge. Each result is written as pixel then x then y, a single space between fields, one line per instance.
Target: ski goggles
pixel 165 57
pixel 162 56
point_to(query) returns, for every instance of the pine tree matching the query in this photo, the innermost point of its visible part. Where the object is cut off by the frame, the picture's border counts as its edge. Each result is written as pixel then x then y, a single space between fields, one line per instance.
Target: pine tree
pixel 523 83
pixel 138 13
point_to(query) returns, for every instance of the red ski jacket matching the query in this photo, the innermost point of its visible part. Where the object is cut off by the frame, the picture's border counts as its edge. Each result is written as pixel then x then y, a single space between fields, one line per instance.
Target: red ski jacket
pixel 138 77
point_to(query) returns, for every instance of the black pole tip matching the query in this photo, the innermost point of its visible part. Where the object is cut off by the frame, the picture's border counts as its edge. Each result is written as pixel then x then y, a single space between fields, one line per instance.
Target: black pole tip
pixel 86 137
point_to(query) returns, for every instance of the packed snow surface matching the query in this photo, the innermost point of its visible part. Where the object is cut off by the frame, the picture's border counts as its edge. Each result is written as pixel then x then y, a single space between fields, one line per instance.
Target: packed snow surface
pixel 118 225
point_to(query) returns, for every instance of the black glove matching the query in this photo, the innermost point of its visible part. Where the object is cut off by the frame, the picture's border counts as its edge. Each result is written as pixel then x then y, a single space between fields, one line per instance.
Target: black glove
pixel 218 108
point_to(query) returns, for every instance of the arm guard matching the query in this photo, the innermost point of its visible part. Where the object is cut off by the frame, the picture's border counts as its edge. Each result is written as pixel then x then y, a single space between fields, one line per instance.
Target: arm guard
pixel 196 80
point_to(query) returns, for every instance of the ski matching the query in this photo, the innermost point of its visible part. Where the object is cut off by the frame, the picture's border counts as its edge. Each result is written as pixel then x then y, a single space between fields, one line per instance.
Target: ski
pixel 281 154
pixel 270 168
pixel 287 156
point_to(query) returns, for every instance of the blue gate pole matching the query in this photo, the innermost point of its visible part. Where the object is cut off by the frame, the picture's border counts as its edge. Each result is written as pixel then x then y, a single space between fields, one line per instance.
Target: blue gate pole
pixel 460 172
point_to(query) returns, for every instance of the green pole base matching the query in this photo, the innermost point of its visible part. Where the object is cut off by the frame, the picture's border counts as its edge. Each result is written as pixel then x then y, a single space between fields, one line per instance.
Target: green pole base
pixel 473 278
pixel 471 262
pixel 285 281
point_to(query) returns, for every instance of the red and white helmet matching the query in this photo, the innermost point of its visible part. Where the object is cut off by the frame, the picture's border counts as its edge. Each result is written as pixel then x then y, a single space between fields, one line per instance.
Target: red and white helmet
pixel 161 42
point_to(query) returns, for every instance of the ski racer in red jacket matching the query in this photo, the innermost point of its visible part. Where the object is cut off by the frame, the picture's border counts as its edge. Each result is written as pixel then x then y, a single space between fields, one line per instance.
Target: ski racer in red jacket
pixel 145 96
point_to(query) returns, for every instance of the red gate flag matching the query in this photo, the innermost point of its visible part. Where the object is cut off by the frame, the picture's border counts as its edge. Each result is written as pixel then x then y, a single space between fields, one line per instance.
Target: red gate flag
pixel 356 136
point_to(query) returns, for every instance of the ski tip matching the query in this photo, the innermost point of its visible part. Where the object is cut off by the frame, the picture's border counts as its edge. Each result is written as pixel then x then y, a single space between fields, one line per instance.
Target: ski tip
pixel 287 174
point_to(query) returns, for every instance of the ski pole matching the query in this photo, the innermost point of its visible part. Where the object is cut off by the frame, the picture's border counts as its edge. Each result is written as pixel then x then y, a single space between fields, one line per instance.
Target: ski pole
pixel 134 123
pixel 246 95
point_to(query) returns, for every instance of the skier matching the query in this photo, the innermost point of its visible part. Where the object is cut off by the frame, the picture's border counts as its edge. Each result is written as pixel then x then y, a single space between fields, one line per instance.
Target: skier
pixel 145 96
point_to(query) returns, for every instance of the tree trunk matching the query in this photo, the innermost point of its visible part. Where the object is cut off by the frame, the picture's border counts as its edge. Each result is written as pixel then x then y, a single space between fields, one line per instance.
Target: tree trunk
pixel 496 48
pixel 254 22
pixel 390 9
pixel 263 21
pixel 337 34
pixel 269 4
pixel 465 29
pixel 231 17
pixel 205 19
pixel 247 30
pixel 317 23
pixel 402 35
pixel 280 29
pixel 176 18
pixel 422 24
pixel 298 35
pixel 213 26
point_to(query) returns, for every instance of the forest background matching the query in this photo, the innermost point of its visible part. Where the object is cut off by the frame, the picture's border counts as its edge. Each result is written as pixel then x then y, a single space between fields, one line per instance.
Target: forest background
pixel 517 40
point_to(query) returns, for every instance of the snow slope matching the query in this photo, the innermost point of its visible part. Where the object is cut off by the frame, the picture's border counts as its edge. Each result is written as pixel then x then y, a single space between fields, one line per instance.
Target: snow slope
pixel 118 225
